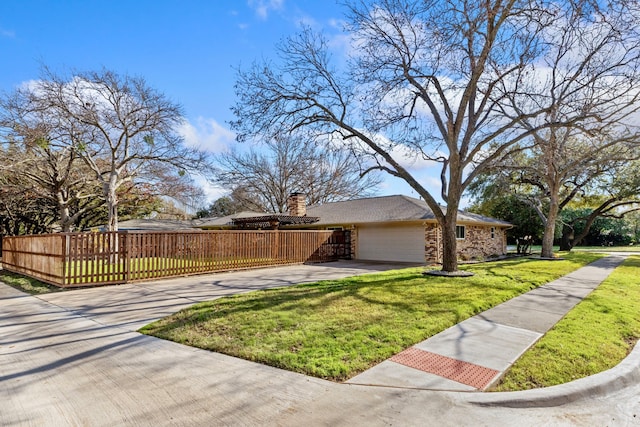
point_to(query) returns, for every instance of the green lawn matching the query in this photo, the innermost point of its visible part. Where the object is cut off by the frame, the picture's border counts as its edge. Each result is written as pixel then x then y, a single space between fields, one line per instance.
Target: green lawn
pixel 337 329
pixel 86 272
pixel 634 248
pixel 595 336
pixel 26 284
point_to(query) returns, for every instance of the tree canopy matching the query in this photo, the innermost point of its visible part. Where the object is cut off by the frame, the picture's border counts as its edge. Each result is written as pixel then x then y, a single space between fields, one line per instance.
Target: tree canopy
pixel 118 126
pixel 460 83
pixel 263 180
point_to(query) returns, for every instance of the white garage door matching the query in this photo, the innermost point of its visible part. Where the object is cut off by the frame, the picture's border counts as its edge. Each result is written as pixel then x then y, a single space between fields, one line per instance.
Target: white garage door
pixel 400 244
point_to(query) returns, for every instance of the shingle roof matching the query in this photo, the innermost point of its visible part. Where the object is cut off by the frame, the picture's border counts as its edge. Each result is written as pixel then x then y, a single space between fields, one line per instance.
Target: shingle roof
pixel 359 211
pixel 267 221
pixel 385 209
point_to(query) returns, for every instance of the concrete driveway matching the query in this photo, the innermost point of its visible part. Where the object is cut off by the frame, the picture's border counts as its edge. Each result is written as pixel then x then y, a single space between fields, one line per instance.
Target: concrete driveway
pixel 74 358
pixel 135 305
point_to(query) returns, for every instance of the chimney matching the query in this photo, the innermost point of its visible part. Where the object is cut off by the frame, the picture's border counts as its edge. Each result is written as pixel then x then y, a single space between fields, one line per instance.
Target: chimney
pixel 297 204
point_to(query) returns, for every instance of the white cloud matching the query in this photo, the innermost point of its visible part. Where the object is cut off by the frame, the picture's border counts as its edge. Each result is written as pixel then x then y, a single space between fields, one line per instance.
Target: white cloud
pixel 206 134
pixel 262 8
pixel 410 159
pixel 209 135
pixel 392 185
pixel 337 23
pixel 212 192
pixel 306 21
pixel 30 85
pixel 7 33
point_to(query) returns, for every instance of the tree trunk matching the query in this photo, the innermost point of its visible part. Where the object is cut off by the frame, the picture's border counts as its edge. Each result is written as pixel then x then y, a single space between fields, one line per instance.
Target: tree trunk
pixel 63 212
pixel 112 202
pixel 65 220
pixel 550 229
pixel 449 244
pixel 587 226
pixel 112 206
pixel 567 241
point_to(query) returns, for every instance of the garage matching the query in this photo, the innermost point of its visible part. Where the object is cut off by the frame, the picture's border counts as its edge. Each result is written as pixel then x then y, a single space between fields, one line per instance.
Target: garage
pixel 403 243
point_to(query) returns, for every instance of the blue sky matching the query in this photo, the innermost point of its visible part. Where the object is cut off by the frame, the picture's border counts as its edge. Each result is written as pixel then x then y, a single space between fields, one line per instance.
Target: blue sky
pixel 187 49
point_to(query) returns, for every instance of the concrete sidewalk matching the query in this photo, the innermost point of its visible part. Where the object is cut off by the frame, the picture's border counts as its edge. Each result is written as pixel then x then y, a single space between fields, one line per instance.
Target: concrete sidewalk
pixel 475 353
pixel 74 358
pixel 135 305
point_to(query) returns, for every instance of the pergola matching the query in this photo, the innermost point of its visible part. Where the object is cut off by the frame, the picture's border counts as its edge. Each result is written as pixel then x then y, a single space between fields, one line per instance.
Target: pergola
pixel 272 222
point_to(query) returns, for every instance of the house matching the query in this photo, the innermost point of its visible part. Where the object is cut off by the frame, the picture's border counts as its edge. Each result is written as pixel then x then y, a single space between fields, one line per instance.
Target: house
pixel 388 228
pixel 404 229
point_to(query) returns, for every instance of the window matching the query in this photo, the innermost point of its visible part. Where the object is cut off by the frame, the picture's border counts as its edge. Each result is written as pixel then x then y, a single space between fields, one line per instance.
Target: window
pixel 460 231
pixel 493 232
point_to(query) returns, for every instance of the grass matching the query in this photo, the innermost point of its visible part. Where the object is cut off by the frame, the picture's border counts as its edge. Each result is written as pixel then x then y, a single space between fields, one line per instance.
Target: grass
pixel 96 271
pixel 26 284
pixel 595 336
pixel 87 272
pixel 337 329
pixel 634 248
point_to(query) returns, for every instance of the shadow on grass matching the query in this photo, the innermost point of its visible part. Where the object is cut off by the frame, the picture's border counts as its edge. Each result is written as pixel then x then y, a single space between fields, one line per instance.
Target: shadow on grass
pixel 27 284
pixel 394 289
pixel 368 318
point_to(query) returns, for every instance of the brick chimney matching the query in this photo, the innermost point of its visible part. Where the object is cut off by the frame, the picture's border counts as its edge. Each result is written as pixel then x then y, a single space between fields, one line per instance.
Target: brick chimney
pixel 297 204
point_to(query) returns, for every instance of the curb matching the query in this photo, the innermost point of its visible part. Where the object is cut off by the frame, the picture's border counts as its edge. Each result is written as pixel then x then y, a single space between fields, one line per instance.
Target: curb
pixel 623 375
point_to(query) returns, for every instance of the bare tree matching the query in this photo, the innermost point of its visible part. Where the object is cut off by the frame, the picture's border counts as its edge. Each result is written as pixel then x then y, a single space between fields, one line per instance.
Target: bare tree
pixel 23 211
pixel 59 176
pixel 426 79
pixel 603 183
pixel 587 90
pixel 162 181
pixel 52 173
pixel 593 173
pixel 117 125
pixel 264 180
pixel 449 81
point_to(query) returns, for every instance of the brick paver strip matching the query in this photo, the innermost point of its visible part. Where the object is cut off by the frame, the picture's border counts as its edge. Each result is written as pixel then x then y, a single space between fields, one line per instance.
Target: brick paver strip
pixel 456 370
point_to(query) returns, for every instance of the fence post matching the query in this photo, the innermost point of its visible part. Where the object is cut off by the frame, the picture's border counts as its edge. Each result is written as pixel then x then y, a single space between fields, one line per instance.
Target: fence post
pixel 65 257
pixel 275 253
pixel 125 253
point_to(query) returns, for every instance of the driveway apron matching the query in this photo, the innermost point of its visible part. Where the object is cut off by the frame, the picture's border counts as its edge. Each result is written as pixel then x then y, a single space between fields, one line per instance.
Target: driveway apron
pixel 74 359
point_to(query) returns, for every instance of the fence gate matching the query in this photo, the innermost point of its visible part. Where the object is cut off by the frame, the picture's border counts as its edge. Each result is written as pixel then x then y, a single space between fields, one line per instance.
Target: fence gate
pixel 337 246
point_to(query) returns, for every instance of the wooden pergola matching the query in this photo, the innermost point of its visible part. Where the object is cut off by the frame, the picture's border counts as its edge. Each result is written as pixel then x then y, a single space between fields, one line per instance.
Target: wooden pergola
pixel 273 222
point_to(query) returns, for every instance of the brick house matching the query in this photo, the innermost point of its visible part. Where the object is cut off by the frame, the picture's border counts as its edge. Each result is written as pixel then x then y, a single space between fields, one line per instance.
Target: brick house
pixel 388 228
pixel 403 229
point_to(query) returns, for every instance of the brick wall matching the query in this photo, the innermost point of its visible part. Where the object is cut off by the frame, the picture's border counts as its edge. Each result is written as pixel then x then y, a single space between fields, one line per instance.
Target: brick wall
pixel 297 204
pixel 432 243
pixel 479 243
pixel 354 241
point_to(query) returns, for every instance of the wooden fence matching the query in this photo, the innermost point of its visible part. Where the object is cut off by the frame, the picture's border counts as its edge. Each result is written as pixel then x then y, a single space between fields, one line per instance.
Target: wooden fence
pixel 89 259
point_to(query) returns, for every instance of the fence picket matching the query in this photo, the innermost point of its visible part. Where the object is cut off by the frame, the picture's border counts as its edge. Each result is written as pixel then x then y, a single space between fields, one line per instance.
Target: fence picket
pixel 89 259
